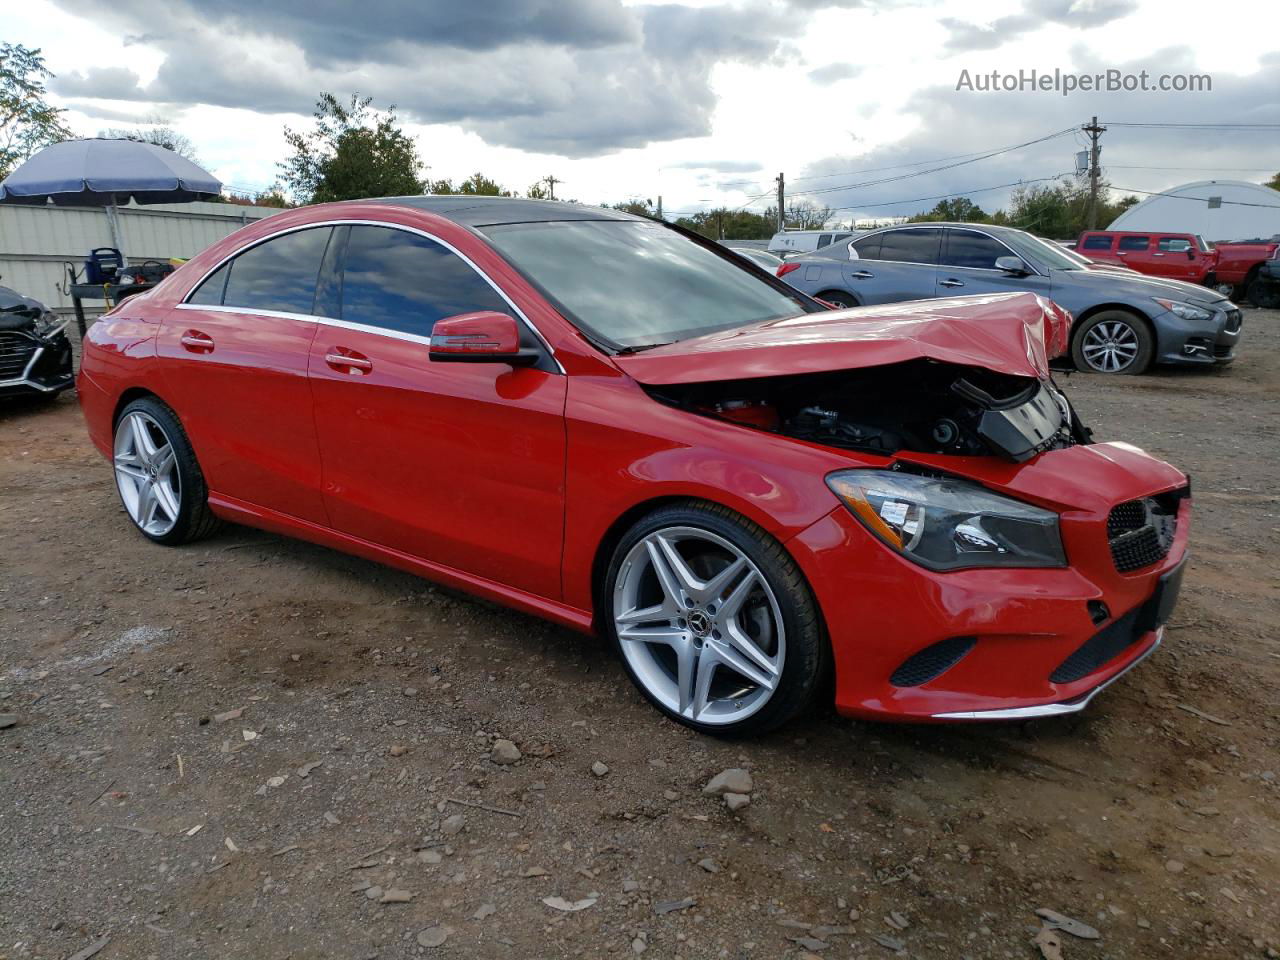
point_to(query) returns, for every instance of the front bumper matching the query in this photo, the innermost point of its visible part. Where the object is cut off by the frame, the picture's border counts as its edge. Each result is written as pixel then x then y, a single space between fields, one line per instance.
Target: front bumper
pixel 34 365
pixel 1198 342
pixel 1028 642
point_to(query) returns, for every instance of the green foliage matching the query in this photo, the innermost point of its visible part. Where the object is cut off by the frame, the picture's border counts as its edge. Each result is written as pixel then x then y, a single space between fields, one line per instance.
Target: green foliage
pixel 158 133
pixel 1273 183
pixel 641 208
pixel 729 224
pixel 353 152
pixel 27 121
pixel 955 209
pixel 806 215
pixel 272 197
pixel 538 191
pixel 476 185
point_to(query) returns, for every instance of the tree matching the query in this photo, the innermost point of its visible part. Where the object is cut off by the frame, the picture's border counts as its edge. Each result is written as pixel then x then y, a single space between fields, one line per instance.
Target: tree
pixel 27 121
pixel 641 208
pixel 806 215
pixel 476 185
pixel 353 152
pixel 953 209
pixel 158 133
pixel 1060 210
pixel 1274 182
pixel 731 224
pixel 538 191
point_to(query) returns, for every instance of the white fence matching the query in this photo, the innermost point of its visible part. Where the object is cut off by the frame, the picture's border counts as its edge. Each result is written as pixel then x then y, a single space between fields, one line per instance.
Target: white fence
pixel 37 242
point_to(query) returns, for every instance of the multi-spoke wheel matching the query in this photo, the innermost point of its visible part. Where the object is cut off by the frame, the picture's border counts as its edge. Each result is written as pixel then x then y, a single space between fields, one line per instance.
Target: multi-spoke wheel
pixel 159 481
pixel 713 620
pixel 1112 342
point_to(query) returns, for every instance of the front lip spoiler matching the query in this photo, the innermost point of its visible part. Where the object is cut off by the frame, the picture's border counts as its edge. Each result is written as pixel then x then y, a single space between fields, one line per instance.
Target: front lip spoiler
pixel 1051 709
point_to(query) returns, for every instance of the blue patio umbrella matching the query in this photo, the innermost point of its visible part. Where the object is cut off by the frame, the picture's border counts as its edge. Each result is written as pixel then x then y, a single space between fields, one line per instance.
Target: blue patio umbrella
pixel 100 172
pixel 104 173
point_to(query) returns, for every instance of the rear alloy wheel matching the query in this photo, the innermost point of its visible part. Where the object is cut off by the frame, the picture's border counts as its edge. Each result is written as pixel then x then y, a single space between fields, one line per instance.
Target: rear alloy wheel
pixel 1112 342
pixel 159 481
pixel 841 300
pixel 713 621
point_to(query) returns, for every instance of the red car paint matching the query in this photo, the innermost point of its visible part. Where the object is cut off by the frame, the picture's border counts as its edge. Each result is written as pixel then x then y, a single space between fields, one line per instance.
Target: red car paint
pixel 527 474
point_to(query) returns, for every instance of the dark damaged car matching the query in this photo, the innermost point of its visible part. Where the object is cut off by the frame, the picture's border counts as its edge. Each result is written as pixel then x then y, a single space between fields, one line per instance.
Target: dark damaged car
pixel 35 354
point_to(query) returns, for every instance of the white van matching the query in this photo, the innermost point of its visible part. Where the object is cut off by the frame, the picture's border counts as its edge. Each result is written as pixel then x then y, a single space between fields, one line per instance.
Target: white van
pixel 805 241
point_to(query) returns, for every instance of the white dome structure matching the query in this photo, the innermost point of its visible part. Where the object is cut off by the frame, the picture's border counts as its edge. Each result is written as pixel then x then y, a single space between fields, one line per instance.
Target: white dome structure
pixel 1218 210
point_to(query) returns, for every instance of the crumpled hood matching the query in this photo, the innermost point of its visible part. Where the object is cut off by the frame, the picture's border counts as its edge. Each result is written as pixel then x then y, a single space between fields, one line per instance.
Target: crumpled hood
pixel 1015 333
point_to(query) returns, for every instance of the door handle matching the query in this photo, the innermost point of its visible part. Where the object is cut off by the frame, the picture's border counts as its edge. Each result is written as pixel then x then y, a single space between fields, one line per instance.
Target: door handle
pixel 1157 254
pixel 197 342
pixel 952 282
pixel 863 275
pixel 348 361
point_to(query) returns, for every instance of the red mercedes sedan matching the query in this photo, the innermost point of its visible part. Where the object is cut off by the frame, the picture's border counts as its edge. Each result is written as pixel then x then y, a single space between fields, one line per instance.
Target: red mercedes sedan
pixel 628 429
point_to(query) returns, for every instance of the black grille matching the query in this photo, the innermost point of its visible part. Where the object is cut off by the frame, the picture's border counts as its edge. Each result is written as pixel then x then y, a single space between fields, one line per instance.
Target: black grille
pixel 1222 350
pixel 1233 320
pixel 1141 531
pixel 932 661
pixel 15 352
pixel 1103 647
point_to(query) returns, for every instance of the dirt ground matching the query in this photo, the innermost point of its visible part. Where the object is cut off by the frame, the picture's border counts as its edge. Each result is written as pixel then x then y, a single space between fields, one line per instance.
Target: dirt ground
pixel 136 819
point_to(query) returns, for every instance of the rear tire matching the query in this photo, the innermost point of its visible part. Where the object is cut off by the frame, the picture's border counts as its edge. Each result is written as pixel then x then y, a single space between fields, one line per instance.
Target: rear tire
pixel 158 477
pixel 713 620
pixel 1113 342
pixel 841 299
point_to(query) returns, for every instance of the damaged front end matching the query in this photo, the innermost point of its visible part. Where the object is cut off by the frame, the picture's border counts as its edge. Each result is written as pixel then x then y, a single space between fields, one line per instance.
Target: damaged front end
pixel 35 354
pixel 921 406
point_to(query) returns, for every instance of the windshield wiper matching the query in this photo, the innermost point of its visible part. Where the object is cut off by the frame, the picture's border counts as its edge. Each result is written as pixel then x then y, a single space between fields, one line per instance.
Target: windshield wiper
pixel 640 348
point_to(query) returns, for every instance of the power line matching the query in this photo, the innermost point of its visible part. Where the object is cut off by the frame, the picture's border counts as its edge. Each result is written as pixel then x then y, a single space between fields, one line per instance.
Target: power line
pixel 1124 166
pixel 948 196
pixel 1207 125
pixel 1183 196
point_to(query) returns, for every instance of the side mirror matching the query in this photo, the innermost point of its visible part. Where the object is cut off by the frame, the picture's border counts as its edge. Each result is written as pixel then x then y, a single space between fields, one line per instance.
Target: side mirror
pixel 482 337
pixel 1013 265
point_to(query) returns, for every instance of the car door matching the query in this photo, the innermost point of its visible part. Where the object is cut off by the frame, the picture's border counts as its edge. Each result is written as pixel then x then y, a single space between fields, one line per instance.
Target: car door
pixel 1135 251
pixel 967 264
pixel 234 361
pixel 895 265
pixel 460 464
pixel 1176 257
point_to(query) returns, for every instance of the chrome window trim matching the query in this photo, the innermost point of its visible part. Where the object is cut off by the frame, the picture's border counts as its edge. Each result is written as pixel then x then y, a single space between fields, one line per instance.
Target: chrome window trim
pixel 334 321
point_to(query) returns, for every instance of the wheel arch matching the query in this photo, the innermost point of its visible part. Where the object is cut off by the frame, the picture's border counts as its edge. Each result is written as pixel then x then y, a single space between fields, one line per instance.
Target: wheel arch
pixel 127 397
pixel 1085 315
pixel 842 291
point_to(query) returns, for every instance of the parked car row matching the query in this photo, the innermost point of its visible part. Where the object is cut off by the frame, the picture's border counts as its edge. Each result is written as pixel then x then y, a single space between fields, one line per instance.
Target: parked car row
pixel 1123 322
pixel 1233 269
pixel 746 492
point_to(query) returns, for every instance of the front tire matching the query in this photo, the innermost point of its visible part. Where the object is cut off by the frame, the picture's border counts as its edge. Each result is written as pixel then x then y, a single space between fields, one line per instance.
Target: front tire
pixel 157 475
pixel 713 620
pixel 1113 342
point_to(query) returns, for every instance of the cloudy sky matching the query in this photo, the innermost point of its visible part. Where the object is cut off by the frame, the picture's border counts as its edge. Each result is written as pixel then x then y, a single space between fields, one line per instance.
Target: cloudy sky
pixel 702 103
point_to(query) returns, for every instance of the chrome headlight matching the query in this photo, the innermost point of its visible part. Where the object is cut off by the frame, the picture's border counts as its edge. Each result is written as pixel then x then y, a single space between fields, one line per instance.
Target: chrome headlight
pixel 1186 311
pixel 946 524
pixel 49 325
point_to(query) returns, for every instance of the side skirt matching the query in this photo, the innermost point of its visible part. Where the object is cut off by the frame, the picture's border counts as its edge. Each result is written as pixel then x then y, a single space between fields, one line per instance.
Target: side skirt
pixel 238 511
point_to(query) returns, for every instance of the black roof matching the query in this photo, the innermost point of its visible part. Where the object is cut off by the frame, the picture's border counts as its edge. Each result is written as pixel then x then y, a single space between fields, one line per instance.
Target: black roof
pixel 487 211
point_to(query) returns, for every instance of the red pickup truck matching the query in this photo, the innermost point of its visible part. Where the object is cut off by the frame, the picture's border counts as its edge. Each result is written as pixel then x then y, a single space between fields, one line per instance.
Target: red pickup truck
pixel 1233 269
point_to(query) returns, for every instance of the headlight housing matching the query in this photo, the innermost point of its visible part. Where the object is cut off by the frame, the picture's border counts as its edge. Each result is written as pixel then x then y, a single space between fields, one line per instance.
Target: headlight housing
pixel 947 524
pixel 49 325
pixel 1187 311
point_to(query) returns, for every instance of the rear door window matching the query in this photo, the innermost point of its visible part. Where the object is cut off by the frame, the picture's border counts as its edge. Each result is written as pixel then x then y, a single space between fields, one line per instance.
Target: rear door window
pixel 911 246
pixel 1096 242
pixel 403 281
pixel 968 248
pixel 278 275
pixel 1134 243
pixel 867 248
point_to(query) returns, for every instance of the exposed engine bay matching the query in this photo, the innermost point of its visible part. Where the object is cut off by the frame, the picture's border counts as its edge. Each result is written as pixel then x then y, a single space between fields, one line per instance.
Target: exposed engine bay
pixel 923 406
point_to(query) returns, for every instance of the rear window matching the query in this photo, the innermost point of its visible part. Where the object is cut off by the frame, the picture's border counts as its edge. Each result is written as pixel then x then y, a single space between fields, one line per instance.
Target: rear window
pixel 1134 243
pixel 868 248
pixel 636 284
pixel 1096 243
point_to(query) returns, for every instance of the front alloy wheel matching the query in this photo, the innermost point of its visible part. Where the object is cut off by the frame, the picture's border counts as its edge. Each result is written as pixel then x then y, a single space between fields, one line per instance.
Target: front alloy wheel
pixel 1113 342
pixel 713 621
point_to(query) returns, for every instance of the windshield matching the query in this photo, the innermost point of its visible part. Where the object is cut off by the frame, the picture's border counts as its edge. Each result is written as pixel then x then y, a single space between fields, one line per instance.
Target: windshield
pixel 635 284
pixel 1044 252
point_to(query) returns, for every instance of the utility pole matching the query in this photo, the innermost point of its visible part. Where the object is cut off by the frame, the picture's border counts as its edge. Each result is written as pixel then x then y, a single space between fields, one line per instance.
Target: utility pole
pixel 660 207
pixel 551 182
pixel 1094 131
pixel 782 196
pixel 720 225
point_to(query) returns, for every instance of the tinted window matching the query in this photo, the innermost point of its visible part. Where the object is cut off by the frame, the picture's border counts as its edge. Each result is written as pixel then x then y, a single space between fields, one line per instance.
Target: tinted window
pixel 402 281
pixel 279 274
pixel 1134 243
pixel 209 293
pixel 1096 243
pixel 1174 244
pixel 841 236
pixel 965 248
pixel 868 248
pixel 911 246
pixel 634 283
pixel 824 239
